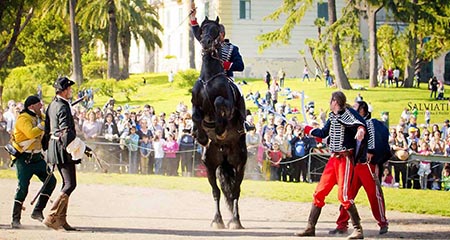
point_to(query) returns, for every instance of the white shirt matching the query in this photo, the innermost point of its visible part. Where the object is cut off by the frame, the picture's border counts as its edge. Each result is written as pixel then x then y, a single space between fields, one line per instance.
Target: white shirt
pixel 10 119
pixel 396 73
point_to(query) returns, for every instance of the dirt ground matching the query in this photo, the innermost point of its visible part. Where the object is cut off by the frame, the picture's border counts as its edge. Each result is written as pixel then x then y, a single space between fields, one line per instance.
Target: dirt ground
pixel 121 212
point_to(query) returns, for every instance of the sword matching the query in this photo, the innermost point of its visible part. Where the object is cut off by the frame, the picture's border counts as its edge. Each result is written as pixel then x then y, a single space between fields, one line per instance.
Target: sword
pixel 99 161
pixel 78 100
pixel 44 184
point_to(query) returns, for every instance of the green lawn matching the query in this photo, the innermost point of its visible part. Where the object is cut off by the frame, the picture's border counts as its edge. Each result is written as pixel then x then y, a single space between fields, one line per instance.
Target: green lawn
pixel 404 200
pixel 164 97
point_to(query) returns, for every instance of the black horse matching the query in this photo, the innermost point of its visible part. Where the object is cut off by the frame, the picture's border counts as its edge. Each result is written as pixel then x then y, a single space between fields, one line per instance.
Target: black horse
pixel 218 114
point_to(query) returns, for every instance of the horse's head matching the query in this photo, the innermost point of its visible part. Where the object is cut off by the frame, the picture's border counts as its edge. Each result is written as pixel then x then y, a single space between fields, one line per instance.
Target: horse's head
pixel 210 35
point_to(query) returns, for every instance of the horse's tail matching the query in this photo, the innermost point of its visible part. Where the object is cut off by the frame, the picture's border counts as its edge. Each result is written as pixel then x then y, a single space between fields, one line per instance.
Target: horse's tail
pixel 227 178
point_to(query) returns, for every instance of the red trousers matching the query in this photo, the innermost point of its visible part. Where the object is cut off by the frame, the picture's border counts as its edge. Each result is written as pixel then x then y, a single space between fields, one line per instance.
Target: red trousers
pixel 338 170
pixel 363 177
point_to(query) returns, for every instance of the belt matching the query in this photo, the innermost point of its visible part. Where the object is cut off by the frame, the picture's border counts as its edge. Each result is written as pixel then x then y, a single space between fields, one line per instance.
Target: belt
pixel 54 137
pixel 345 153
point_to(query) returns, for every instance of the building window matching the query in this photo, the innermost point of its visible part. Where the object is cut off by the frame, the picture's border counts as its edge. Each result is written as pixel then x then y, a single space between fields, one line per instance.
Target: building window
pixel 322 10
pixel 244 9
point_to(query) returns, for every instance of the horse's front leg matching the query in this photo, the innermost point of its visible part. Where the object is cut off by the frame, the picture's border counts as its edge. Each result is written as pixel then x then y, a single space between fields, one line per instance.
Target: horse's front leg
pixel 211 166
pixel 197 130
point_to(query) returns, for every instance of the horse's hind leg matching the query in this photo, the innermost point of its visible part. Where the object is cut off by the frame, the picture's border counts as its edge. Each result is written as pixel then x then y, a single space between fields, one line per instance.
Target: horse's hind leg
pixel 217 222
pixel 235 222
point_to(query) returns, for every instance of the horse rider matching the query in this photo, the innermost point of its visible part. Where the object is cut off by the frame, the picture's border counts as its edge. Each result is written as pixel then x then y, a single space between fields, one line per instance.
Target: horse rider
pixel 229 54
pixel 26 138
pixel 61 137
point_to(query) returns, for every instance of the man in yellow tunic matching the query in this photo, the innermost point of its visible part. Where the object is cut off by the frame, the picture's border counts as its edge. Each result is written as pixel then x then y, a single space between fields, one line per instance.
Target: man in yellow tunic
pixel 27 135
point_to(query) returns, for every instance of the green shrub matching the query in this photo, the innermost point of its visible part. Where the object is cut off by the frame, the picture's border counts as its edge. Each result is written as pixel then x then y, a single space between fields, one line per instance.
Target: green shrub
pixel 128 87
pixel 187 78
pixel 95 69
pixel 102 87
pixel 23 81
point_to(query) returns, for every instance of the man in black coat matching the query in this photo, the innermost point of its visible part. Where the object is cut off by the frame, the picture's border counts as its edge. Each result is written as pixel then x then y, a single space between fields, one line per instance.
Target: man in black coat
pixel 60 132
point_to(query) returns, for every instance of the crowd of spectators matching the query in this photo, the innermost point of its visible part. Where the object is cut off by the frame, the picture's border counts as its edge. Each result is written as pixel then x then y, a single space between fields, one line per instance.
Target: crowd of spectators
pixel 407 138
pixel 142 141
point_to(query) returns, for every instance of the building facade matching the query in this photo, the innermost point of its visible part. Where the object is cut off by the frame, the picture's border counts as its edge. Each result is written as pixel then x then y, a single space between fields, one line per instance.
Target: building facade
pixel 244 21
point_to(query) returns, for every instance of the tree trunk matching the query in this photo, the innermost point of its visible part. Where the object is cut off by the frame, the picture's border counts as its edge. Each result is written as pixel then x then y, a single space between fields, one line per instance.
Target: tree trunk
pixel 125 42
pixel 411 63
pixel 341 78
pixel 191 49
pixel 412 52
pixel 77 74
pixel 113 46
pixel 373 52
pixel 5 52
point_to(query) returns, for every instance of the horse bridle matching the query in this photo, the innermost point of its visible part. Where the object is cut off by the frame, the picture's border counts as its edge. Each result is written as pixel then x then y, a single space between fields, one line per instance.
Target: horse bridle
pixel 213 50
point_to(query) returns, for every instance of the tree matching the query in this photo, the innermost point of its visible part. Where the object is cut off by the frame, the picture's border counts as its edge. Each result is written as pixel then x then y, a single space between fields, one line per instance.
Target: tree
pixel 77 74
pixel 14 17
pixel 295 10
pixel 341 77
pixel 371 8
pixel 422 16
pixel 119 21
pixel 67 9
pixel 137 19
pixel 46 42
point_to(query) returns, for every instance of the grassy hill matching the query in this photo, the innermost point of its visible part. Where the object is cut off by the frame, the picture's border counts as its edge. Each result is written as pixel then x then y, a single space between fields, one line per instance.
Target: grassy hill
pixel 164 96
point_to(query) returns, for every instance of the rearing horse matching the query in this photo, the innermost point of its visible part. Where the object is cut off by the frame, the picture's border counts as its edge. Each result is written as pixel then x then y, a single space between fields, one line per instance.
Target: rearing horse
pixel 218 110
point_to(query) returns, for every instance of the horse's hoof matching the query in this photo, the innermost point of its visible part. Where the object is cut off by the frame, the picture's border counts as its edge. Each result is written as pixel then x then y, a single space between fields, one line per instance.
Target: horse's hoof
pixel 235 225
pixel 216 225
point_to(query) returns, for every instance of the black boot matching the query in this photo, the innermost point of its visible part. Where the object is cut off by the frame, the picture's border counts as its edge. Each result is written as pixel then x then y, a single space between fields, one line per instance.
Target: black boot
pixel 312 221
pixel 356 221
pixel 17 211
pixel 40 205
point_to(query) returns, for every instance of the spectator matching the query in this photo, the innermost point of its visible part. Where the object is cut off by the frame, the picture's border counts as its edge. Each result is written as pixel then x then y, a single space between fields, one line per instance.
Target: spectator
pixel 91 128
pixel 445 129
pixel 424 166
pixel 132 142
pixel 170 77
pixel 10 116
pixel 446 177
pixel 400 149
pixel 317 75
pixel 281 76
pixel 433 86
pixel 299 150
pixel 305 73
pixel 267 79
pixel 158 143
pixel 387 180
pixel 427 116
pixel 4 139
pixel 187 149
pixel 144 130
pixel 396 75
pixel 147 155
pixel 275 156
pixel 390 75
pixel 170 163
pixel 252 140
